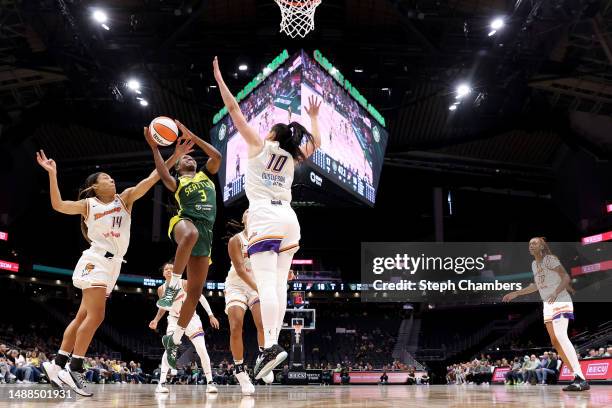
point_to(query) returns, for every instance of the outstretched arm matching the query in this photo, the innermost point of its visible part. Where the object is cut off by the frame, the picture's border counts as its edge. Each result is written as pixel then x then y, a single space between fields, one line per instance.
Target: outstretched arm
pixel 313 112
pixel 129 195
pixel 214 156
pixel 525 291
pixel 59 205
pixel 249 134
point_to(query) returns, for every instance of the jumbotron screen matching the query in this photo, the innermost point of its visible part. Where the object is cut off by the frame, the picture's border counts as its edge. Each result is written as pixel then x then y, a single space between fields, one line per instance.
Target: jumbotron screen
pixel 353 141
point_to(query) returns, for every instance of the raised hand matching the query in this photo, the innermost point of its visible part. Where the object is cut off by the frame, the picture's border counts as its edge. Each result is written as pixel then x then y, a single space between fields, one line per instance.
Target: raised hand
pixel 185 133
pixel 149 138
pixel 216 70
pixel 47 164
pixel 153 325
pixel 313 106
pixel 183 146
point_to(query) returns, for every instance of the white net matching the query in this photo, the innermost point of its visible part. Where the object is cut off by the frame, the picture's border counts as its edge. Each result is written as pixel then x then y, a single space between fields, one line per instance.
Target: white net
pixel 297 17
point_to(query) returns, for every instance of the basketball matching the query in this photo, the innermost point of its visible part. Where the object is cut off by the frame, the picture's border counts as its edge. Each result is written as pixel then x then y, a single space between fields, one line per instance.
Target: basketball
pixel 164 130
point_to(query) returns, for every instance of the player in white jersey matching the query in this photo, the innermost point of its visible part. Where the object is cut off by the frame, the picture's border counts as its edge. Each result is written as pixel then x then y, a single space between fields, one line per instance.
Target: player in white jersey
pixel 193 331
pixel 240 295
pixel 274 230
pixel 105 222
pixel 553 283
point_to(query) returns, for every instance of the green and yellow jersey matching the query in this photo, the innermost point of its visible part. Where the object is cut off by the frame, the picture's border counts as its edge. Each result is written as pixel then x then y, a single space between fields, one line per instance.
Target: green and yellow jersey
pixel 197 199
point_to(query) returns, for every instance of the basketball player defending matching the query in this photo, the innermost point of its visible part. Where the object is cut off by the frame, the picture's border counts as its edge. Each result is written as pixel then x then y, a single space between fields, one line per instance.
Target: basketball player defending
pixel 193 331
pixel 274 230
pixel 240 294
pixel 553 282
pixel 105 223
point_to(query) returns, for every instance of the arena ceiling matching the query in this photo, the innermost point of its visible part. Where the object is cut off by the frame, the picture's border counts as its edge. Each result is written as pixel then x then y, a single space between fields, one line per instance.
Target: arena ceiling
pixel 542 86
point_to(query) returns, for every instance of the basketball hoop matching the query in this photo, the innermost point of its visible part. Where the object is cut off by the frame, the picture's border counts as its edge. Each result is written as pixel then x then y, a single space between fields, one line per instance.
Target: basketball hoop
pixel 297 16
pixel 297 324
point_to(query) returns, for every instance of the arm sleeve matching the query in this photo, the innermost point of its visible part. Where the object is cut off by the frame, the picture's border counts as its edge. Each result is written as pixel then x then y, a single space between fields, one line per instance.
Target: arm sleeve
pixel 205 305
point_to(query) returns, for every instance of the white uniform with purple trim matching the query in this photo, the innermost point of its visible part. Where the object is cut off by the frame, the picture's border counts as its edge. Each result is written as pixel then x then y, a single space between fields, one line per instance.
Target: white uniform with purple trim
pixel 194 327
pixel 237 292
pixel 547 281
pixel 273 225
pixel 108 230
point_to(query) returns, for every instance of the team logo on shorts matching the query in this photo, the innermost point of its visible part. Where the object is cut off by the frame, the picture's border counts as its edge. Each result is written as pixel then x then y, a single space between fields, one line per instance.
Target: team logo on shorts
pixel 88 268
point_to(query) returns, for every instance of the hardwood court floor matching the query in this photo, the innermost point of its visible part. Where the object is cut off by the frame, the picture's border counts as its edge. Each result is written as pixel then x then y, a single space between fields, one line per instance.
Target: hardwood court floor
pixel 134 395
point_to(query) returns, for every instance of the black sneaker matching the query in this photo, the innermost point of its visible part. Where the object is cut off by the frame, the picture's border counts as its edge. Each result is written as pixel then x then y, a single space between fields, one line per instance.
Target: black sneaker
pixel 578 385
pixel 268 360
pixel 75 381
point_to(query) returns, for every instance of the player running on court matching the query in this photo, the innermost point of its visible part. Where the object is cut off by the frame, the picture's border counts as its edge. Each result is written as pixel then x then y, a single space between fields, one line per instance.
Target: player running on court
pixel 553 283
pixel 105 223
pixel 192 229
pixel 274 230
pixel 193 331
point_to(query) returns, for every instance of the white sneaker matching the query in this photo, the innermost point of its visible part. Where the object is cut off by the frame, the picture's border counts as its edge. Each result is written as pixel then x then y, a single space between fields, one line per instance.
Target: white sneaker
pixel 160 389
pixel 12 376
pixel 211 388
pixel 268 378
pixel 123 382
pixel 19 382
pixel 247 388
pixel 75 381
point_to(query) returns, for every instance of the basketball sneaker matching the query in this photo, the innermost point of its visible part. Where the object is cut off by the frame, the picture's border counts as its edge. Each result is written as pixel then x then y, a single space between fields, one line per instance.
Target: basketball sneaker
pixel 51 370
pixel 166 301
pixel 75 381
pixel 160 389
pixel 578 384
pixel 269 378
pixel 211 388
pixel 171 350
pixel 246 385
pixel 268 360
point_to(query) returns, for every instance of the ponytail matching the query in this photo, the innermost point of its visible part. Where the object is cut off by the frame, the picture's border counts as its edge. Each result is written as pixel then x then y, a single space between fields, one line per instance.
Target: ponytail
pixel 87 191
pixel 290 137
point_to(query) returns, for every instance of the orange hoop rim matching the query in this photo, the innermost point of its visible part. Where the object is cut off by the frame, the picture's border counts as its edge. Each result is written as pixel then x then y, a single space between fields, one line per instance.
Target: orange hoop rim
pixel 300 4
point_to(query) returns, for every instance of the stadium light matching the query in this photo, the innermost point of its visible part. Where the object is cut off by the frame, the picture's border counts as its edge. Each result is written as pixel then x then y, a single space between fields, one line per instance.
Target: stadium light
pixel 133 84
pixel 58 282
pixel 497 23
pixel 243 67
pixel 104 26
pixel 358 70
pixel 144 102
pixel 99 16
pixel 463 90
pixel 452 108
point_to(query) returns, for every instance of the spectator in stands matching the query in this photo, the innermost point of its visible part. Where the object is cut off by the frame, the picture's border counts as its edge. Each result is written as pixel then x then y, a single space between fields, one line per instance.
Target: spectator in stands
pixel 5 365
pixel 515 375
pixel 548 366
pixel 608 352
pixel 384 378
pixel 345 378
pixel 592 354
pixel 425 378
pixel 411 380
pixel 529 370
pixel 601 352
